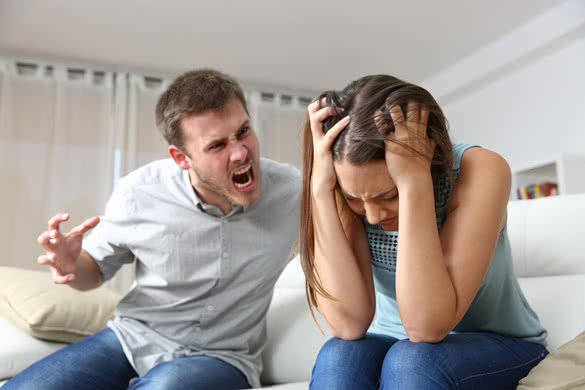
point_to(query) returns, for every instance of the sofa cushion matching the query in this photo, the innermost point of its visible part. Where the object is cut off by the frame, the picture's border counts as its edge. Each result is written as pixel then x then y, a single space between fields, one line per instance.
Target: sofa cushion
pixel 53 312
pixel 563 369
pixel 294 340
pixel 19 349
pixel 546 235
pixel 560 304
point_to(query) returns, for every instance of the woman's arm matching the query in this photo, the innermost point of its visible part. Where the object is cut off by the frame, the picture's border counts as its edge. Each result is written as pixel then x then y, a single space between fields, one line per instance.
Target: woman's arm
pixel 344 269
pixel 437 277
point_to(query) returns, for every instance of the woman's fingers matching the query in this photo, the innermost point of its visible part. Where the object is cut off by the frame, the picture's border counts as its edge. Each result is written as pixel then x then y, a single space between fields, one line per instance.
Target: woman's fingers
pixel 399 122
pixel 317 119
pixel 424 119
pixel 417 116
pixel 334 132
pixel 412 113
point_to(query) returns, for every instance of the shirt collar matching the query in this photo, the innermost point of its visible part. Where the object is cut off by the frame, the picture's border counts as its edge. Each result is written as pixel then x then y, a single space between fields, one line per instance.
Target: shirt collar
pixel 207 208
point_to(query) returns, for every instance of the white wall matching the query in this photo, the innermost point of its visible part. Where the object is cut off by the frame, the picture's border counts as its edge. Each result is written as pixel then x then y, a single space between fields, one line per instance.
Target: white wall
pixel 524 95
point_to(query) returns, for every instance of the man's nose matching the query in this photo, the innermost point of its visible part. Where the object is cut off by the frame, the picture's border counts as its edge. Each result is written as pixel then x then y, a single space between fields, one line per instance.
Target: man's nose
pixel 239 152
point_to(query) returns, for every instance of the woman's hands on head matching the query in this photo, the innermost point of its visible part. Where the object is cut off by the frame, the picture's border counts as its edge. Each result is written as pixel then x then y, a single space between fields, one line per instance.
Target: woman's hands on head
pixel 409 150
pixel 323 178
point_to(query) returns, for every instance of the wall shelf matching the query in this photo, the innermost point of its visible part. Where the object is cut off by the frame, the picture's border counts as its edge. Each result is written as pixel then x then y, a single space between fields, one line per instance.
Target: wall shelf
pixel 568 171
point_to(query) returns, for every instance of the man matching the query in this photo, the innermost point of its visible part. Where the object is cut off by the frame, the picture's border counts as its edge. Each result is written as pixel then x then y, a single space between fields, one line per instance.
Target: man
pixel 210 230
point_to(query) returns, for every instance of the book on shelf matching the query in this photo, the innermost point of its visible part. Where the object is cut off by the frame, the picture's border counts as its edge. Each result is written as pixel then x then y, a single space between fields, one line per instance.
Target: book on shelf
pixel 541 190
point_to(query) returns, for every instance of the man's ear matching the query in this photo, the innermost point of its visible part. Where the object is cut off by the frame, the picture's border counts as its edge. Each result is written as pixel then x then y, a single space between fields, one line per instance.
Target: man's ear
pixel 179 157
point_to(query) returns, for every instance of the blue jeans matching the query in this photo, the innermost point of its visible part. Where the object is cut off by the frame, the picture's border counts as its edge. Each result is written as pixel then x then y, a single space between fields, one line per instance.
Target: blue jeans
pixel 473 361
pixel 98 363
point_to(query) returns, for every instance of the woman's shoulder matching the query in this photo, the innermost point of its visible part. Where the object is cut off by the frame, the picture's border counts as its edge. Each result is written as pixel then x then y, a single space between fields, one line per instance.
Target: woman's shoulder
pixel 482 172
pixel 477 160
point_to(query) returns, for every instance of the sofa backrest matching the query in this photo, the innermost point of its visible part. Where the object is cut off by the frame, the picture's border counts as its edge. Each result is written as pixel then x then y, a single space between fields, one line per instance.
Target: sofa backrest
pixel 547 237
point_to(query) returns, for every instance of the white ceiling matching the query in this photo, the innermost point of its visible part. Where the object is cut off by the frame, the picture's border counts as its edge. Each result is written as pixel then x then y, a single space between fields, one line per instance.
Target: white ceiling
pixel 298 45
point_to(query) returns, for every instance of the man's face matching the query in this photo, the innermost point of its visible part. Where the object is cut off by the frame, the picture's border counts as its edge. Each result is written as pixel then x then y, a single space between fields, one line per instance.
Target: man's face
pixel 222 155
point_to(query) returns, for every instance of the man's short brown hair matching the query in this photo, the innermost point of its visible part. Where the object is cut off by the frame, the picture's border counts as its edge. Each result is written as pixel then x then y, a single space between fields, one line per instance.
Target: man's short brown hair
pixel 190 93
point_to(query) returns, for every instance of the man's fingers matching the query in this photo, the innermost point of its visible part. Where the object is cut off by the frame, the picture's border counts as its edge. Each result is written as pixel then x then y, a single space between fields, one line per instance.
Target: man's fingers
pixel 48 240
pixel 56 220
pixel 63 279
pixel 45 260
pixel 86 225
pixel 43 239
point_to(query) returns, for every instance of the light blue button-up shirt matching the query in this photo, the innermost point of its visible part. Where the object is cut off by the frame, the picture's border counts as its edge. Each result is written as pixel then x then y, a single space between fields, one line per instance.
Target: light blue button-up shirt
pixel 204 280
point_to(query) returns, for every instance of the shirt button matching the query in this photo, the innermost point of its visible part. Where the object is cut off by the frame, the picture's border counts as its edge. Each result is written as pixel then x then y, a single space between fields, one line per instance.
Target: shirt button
pixel 197 329
pixel 210 308
pixel 225 254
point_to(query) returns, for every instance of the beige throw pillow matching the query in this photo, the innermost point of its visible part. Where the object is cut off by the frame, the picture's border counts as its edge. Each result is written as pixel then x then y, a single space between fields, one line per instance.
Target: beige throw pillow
pixel 563 369
pixel 53 312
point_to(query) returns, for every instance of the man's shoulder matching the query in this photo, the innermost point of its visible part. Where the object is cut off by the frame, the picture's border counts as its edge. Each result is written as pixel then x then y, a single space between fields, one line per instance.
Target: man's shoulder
pixel 279 172
pixel 154 172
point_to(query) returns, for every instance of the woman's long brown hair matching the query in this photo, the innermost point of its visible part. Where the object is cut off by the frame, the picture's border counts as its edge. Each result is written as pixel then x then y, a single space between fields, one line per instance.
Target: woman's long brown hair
pixel 367 101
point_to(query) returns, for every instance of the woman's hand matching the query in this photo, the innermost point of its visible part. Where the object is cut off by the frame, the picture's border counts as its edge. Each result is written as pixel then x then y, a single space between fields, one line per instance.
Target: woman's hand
pixel 323 179
pixel 405 166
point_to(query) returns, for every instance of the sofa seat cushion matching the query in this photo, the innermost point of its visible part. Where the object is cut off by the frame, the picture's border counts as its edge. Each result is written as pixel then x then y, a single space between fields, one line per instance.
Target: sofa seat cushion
pixel 563 369
pixel 18 349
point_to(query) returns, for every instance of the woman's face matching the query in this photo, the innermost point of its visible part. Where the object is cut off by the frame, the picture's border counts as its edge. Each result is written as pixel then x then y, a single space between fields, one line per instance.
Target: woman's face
pixel 370 191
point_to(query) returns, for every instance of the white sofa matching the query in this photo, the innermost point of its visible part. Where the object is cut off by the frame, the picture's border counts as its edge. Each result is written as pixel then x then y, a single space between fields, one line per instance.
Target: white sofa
pixel 548 243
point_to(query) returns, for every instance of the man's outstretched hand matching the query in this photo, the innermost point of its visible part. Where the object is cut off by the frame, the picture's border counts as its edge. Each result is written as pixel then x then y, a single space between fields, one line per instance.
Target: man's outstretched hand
pixel 63 249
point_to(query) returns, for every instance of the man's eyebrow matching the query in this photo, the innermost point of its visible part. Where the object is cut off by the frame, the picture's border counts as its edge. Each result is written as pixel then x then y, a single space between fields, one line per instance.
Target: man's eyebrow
pixel 211 142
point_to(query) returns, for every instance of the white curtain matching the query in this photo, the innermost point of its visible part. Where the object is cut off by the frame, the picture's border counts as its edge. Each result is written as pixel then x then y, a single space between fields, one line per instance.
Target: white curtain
pixel 278 120
pixel 56 152
pixel 139 140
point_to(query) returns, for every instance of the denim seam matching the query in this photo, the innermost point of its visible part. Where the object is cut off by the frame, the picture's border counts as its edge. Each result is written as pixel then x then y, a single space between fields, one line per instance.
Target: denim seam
pixel 541 356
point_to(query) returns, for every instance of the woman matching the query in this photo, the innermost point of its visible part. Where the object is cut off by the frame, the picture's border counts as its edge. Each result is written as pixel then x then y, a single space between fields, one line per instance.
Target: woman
pixel 449 313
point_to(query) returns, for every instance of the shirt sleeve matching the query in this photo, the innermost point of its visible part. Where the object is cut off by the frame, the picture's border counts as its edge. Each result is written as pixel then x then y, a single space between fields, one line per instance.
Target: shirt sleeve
pixel 109 242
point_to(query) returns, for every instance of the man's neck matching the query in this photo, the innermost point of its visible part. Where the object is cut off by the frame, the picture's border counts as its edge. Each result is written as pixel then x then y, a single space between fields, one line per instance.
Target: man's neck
pixel 212 199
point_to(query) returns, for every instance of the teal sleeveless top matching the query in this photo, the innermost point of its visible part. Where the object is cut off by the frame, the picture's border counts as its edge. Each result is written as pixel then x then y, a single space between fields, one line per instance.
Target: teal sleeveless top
pixel 499 306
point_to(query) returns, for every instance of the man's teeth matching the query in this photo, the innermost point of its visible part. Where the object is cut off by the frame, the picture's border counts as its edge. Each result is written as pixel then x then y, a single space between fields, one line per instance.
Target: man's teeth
pixel 243 170
pixel 238 185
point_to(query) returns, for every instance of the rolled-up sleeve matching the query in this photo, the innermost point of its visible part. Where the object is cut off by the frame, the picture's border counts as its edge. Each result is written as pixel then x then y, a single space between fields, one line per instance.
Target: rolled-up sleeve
pixel 109 242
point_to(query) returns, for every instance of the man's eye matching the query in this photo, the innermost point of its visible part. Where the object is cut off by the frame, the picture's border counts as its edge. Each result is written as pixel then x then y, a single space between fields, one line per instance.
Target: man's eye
pixel 215 146
pixel 243 130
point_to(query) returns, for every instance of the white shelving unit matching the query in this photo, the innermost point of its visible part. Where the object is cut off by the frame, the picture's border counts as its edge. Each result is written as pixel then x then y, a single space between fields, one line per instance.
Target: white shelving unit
pixel 568 171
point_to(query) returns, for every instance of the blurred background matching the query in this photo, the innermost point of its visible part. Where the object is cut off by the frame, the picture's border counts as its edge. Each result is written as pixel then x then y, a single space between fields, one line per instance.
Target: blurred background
pixel 79 81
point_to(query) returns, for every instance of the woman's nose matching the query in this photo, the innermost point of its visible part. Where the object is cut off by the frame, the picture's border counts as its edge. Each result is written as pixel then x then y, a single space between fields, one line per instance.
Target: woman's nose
pixel 374 214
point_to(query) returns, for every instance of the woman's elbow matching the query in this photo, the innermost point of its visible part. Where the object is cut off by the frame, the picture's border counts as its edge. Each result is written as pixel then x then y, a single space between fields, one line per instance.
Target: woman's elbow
pixel 432 336
pixel 349 333
pixel 351 329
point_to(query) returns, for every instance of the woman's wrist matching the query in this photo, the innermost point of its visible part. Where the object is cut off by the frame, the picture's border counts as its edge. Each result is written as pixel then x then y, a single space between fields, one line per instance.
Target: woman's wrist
pixel 414 184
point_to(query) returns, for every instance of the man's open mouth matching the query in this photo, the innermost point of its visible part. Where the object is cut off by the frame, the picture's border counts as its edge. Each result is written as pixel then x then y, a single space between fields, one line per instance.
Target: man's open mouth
pixel 243 177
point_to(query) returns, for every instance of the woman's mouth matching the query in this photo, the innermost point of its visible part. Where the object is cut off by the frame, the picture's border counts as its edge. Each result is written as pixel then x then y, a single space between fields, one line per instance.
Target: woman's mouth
pixel 390 222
